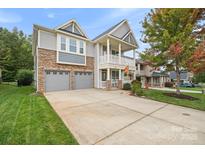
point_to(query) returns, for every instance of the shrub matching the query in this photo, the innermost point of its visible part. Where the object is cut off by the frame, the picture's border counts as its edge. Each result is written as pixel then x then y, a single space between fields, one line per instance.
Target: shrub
pixel 126 86
pixel 24 77
pixel 8 76
pixel 136 88
pixel 169 84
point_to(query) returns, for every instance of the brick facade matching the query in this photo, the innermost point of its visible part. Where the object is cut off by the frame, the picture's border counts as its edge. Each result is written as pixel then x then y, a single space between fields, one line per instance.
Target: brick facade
pixel 47 61
pixel 120 84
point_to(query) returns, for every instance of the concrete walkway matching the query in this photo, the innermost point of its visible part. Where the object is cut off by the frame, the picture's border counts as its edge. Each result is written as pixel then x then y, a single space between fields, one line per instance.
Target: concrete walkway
pixel 113 117
pixel 169 89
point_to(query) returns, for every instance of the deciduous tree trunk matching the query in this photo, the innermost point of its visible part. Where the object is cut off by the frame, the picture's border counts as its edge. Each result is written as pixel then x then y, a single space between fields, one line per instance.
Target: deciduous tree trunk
pixel 178 80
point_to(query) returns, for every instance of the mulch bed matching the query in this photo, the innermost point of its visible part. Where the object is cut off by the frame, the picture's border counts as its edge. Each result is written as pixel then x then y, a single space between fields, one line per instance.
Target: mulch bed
pixel 181 96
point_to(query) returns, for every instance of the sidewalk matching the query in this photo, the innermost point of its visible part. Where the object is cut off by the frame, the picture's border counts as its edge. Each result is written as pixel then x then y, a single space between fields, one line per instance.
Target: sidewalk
pixel 168 89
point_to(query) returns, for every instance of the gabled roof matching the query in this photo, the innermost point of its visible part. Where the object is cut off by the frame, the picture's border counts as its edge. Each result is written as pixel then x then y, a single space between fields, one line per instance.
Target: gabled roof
pixel 73 27
pixel 121 31
pixel 109 30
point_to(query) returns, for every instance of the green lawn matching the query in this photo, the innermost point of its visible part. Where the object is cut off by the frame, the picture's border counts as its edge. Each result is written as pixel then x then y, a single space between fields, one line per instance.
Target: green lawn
pixel 26 118
pixel 158 96
pixel 194 88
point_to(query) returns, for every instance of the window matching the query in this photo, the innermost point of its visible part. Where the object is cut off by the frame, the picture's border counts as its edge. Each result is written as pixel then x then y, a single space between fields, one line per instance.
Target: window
pixel 76 30
pixel 69 28
pixel 81 47
pixel 104 75
pixel 141 67
pixel 73 45
pixel 63 43
pixel 114 52
pixel 104 48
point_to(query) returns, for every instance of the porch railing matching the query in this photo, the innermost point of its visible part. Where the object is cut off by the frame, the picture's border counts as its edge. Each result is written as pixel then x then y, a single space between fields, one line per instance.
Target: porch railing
pixel 113 59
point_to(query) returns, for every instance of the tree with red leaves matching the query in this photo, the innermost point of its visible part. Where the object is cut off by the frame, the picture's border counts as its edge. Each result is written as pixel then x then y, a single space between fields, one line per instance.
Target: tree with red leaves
pixel 172 35
pixel 197 61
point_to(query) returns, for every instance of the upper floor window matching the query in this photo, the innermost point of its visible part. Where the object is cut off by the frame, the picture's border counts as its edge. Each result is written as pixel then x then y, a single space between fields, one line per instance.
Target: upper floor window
pixel 81 47
pixel 141 67
pixel 73 45
pixel 63 43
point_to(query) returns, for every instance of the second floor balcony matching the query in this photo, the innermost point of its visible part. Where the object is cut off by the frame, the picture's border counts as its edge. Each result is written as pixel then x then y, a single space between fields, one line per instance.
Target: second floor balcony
pixel 111 53
pixel 116 61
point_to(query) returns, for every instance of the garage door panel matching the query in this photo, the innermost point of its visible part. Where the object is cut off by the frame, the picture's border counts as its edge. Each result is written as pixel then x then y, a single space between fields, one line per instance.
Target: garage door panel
pixel 84 80
pixel 56 81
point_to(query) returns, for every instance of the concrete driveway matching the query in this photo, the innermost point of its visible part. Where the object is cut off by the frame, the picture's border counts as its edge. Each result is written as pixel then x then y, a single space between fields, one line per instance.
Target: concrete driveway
pixel 113 117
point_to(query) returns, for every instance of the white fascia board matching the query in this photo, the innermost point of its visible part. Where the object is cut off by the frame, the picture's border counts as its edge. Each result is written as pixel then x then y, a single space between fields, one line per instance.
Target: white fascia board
pixel 65 24
pixel 68 23
pixel 126 35
pixel 117 27
pixel 73 35
pixel 122 41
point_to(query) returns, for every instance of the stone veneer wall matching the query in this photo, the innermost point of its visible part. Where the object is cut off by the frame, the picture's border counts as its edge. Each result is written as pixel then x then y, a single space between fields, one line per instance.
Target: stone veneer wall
pixel 47 61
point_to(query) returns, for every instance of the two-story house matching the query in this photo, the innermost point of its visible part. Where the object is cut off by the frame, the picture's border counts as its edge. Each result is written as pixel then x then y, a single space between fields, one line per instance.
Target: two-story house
pixel 149 76
pixel 66 59
pixel 185 76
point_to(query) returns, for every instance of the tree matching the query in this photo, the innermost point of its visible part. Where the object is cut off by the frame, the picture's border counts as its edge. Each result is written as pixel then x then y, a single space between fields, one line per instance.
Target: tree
pixel 197 61
pixel 199 77
pixel 15 53
pixel 171 34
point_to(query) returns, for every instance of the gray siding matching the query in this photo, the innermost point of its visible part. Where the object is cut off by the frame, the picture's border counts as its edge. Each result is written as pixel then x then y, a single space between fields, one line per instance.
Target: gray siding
pixel 90 49
pixel 121 31
pixel 183 75
pixel 47 40
pixel 71 58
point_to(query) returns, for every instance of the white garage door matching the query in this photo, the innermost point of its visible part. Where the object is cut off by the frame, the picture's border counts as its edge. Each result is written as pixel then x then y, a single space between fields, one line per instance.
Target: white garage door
pixel 56 80
pixel 83 80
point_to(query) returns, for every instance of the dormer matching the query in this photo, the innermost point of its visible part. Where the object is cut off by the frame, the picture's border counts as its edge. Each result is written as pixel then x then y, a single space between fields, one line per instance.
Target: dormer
pixel 72 27
pixel 71 44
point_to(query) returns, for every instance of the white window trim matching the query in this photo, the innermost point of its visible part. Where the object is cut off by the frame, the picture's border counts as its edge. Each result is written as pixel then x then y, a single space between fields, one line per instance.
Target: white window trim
pixel 65 43
pixel 83 46
pixel 68 45
pixel 67 49
pixel 76 45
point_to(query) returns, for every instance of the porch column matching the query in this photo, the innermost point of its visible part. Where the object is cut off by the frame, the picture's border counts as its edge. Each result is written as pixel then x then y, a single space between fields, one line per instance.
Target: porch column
pixel 120 79
pixel 138 68
pixel 97 67
pixel 108 73
pixel 134 56
pixel 108 82
pixel 134 61
pixel 108 50
pixel 120 53
pixel 152 82
pixel 120 74
pixel 161 82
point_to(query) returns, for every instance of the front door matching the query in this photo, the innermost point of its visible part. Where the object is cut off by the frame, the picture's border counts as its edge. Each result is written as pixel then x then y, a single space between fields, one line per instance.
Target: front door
pixel 115 78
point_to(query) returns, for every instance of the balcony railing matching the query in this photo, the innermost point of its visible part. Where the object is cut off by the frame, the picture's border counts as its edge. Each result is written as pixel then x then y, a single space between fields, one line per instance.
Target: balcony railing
pixel 113 59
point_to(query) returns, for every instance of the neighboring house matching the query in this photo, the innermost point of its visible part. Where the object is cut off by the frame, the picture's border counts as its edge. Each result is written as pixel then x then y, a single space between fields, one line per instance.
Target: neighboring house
pixel 185 76
pixel 148 76
pixel 66 59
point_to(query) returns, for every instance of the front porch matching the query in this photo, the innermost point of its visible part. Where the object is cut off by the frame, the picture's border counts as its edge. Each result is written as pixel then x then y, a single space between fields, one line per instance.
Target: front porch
pixel 111 78
pixel 154 81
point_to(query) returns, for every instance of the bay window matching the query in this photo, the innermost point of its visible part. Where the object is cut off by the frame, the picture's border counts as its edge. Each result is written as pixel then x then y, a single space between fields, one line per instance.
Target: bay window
pixel 71 45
